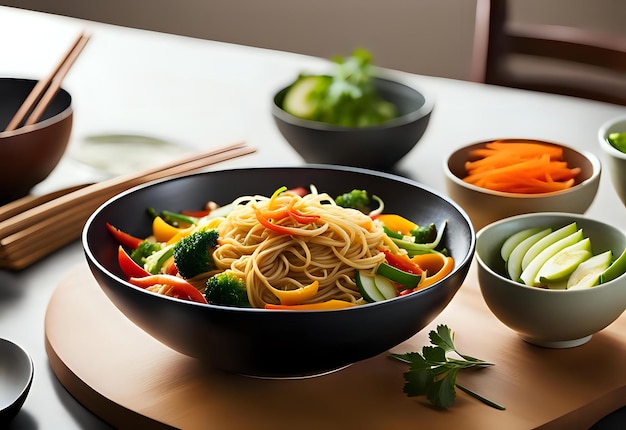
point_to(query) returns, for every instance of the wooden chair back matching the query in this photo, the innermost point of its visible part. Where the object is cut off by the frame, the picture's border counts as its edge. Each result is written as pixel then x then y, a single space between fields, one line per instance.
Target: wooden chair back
pixel 549 58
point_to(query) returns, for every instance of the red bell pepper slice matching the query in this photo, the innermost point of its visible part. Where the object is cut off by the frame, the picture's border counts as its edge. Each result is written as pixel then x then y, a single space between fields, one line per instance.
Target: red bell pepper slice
pixel 169 267
pixel 300 217
pixel 402 262
pixel 195 214
pixel 123 238
pixel 180 288
pixel 130 268
pixel 300 191
pixel 265 222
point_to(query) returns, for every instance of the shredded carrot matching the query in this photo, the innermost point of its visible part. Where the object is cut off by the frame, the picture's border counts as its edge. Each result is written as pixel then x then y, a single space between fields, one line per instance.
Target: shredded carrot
pixel 520 167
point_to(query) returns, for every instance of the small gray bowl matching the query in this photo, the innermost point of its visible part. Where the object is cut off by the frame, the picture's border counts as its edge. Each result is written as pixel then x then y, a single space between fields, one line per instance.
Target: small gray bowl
pixel 376 147
pixel 549 318
pixel 486 206
pixel 16 382
pixel 614 159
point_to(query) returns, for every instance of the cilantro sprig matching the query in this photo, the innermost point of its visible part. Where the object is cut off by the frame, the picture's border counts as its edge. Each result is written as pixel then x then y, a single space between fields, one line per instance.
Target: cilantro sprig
pixel 433 374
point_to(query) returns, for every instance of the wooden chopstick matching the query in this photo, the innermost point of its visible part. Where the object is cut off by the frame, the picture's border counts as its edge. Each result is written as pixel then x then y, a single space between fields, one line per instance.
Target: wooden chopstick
pixel 45 89
pixel 117 184
pixel 81 208
pixel 22 204
pixel 38 231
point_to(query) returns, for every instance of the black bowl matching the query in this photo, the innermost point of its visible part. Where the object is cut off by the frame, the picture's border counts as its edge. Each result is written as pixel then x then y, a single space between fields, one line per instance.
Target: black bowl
pixel 266 343
pixel 376 147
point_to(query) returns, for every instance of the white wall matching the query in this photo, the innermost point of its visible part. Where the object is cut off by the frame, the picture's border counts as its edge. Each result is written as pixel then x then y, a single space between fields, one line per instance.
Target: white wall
pixel 432 37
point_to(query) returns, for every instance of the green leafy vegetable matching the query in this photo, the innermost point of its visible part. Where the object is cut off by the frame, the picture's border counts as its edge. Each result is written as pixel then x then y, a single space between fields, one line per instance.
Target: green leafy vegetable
pixel 618 140
pixel 425 233
pixel 347 97
pixel 355 199
pixel 144 250
pixel 433 374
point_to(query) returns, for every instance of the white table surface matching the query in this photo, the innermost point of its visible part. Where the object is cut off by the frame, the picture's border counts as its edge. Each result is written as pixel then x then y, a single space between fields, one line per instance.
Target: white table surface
pixel 202 93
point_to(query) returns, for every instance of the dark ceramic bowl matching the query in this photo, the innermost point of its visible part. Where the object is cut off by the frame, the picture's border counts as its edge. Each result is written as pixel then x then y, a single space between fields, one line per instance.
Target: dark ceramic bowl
pixel 276 343
pixel 377 147
pixel 16 378
pixel 29 154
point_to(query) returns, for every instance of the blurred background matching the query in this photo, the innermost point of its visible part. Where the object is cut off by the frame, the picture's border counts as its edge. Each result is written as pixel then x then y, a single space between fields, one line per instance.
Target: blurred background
pixel 430 37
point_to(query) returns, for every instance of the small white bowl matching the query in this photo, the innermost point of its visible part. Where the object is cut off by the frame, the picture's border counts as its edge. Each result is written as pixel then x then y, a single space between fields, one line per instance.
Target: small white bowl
pixel 486 206
pixel 549 318
pixel 613 158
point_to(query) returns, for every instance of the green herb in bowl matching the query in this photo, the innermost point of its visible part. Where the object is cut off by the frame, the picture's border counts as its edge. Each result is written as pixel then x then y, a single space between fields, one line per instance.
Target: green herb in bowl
pixel 347 97
pixel 618 140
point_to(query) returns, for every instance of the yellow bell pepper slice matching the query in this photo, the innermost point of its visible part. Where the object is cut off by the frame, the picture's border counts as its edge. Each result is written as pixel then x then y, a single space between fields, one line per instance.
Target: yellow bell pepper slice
pixel 397 224
pixel 178 236
pixel 322 306
pixel 297 296
pixel 436 263
pixel 163 231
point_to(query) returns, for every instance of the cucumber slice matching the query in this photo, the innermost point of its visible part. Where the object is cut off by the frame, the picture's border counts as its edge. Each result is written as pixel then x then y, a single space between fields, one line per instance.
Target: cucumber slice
pixel 529 274
pixel 385 287
pixel 516 239
pixel 617 268
pixel 588 273
pixel 367 286
pixel 409 280
pixel 298 99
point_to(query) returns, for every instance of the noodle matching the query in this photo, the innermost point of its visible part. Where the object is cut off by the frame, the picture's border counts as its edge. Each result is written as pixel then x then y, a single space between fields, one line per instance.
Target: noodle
pixel 308 239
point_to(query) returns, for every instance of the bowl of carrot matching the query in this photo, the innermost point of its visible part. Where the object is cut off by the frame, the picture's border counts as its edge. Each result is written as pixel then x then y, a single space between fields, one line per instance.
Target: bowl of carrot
pixel 499 178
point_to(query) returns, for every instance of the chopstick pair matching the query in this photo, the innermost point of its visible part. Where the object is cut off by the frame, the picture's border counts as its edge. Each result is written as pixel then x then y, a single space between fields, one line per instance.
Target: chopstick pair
pixel 45 89
pixel 27 236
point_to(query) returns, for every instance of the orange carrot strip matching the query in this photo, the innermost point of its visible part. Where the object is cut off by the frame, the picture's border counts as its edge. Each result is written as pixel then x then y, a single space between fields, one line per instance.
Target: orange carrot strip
pixel 527 147
pixel 520 167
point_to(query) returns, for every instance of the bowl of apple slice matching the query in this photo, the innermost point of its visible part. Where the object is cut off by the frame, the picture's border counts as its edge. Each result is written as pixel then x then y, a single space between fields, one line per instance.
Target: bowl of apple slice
pixel 554 278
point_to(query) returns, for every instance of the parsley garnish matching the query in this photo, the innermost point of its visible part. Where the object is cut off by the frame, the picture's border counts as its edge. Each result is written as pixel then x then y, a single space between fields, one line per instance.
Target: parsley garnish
pixel 433 374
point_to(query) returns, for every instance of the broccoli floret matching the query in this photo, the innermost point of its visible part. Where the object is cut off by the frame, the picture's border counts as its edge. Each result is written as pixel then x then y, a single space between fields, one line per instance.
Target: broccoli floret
pixel 424 234
pixel 355 199
pixel 227 289
pixel 155 261
pixel 144 250
pixel 193 254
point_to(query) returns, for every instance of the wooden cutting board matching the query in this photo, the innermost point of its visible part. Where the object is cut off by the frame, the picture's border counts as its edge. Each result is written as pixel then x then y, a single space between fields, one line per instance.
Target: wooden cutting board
pixel 132 381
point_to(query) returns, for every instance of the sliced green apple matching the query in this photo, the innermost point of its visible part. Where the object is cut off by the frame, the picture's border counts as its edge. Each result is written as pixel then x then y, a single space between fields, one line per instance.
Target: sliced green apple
pixel 514 263
pixel 617 268
pixel 563 263
pixel 546 241
pixel 587 274
pixel 529 274
pixel 516 239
